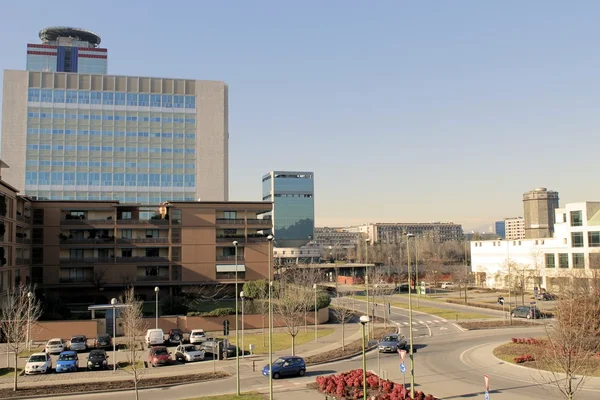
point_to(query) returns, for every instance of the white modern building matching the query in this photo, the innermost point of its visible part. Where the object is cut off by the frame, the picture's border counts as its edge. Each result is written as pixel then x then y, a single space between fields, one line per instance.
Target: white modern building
pixel 574 251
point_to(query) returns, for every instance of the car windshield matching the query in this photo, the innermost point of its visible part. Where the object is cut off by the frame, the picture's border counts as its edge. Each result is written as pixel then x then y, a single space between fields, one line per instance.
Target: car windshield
pixel 96 355
pixel 54 343
pixel 197 333
pixel 103 338
pixel 190 348
pixel 279 361
pixel 66 357
pixel 161 352
pixel 77 339
pixel 39 358
pixel 390 339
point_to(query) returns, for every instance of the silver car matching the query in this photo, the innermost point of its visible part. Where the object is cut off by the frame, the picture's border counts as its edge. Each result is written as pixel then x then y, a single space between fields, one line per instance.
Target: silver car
pixel 78 343
pixel 392 343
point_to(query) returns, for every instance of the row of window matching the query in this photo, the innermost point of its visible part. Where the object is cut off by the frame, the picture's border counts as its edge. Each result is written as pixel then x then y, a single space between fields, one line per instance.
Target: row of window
pixel 593 239
pixel 110 164
pixel 105 133
pixel 109 179
pixel 164 119
pixel 116 149
pixel 110 98
pixel 578 260
pixel 143 198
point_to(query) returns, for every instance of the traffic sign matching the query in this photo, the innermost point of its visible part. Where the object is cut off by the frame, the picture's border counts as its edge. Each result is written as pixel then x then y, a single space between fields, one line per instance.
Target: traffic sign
pixel 402 354
pixel 486 379
pixel 402 368
pixel 487 395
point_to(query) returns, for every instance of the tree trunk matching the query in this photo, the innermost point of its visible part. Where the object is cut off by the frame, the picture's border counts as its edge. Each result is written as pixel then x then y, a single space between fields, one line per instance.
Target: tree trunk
pixel 343 337
pixel 135 384
pixel 15 370
pixel 293 345
pixel 263 330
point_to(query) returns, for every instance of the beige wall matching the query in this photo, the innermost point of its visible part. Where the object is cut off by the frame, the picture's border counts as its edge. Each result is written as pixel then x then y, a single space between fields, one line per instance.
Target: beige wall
pixel 46 330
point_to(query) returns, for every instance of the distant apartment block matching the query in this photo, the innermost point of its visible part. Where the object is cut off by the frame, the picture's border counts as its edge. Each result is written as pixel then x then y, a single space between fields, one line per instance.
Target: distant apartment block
pixel 514 228
pixel 392 232
pixel 336 238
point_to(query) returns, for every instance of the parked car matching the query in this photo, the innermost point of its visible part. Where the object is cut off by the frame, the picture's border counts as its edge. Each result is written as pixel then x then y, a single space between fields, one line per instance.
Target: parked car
pixel 159 356
pixel 38 363
pixel 211 345
pixel 391 343
pixel 188 353
pixel 197 336
pixel 403 287
pixel 55 346
pixel 103 342
pixel 286 366
pixel 526 312
pixel 67 362
pixel 545 296
pixel 155 337
pixel 97 359
pixel 176 336
pixel 78 343
pixel 448 285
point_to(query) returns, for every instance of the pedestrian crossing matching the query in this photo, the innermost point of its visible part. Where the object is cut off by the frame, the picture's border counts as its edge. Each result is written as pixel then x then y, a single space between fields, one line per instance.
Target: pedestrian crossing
pixel 419 322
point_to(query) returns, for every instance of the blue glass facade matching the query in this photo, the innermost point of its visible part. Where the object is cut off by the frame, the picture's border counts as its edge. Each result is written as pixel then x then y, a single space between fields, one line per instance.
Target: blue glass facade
pixel 91 145
pixel 500 229
pixel 293 210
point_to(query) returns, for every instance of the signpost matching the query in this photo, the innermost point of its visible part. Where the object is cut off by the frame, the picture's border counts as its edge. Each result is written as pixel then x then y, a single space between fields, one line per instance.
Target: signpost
pixel 486 379
pixel 402 354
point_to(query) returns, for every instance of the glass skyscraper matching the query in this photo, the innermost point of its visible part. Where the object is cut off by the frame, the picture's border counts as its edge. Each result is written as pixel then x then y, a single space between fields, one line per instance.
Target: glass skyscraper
pixel 292 194
pixel 65 49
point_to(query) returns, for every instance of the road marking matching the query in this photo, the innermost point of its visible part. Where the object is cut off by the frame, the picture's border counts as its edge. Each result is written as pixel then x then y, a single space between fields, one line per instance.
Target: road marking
pixel 443 329
pixel 436 321
pixel 406 323
pixel 429 322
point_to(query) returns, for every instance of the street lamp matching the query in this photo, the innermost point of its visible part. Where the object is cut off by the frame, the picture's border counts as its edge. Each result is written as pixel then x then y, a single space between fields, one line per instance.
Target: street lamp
pixel 113 303
pixel 315 288
pixel 29 296
pixel 269 255
pixel 242 297
pixel 367 240
pixel 237 342
pixel 417 272
pixel 156 290
pixel 410 322
pixel 363 321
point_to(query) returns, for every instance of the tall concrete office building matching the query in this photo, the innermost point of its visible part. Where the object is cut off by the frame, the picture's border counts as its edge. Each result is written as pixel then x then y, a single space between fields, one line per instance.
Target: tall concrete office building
pixel 538 210
pixel 89 136
pixel 292 194
pixel 65 49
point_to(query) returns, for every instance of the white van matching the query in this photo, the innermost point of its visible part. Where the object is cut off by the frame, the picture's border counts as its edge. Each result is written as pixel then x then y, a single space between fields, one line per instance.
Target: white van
pixel 155 337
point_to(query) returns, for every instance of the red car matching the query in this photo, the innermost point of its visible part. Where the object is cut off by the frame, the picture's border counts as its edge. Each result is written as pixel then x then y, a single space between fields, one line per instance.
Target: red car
pixel 159 356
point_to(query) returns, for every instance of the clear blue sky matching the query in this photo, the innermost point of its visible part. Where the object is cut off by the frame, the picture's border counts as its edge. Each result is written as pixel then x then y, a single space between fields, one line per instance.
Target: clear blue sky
pixel 405 111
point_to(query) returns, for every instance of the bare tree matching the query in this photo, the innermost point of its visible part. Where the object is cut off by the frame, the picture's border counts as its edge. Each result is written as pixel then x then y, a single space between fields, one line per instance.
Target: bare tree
pixel 258 293
pixel 20 311
pixel 343 313
pixel 573 341
pixel 134 327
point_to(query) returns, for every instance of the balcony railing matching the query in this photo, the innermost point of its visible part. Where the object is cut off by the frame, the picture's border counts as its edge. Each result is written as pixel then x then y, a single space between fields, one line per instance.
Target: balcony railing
pixel 87 221
pixel 75 280
pixel 108 240
pixel 267 222
pixel 23 218
pixel 90 260
pixel 143 240
pixel 151 278
pixel 225 239
pixel 256 239
pixel 231 221
pixel 23 240
pixel 143 221
pixel 230 258
pixel 22 261
pixel 141 259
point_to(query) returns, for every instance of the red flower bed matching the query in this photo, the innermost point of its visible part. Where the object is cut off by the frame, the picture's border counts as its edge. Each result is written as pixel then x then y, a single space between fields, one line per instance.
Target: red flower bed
pixel 527 341
pixel 524 358
pixel 349 385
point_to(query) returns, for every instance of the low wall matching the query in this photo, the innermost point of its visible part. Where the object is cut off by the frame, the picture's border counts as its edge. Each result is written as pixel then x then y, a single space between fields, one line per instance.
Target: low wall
pixel 46 330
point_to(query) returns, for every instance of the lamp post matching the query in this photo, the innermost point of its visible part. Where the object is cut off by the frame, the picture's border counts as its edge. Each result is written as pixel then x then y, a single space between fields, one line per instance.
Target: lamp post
pixel 114 302
pixel 242 297
pixel 315 288
pixel 363 321
pixel 367 240
pixel 417 273
pixel 156 290
pixel 29 296
pixel 237 342
pixel 410 322
pixel 269 255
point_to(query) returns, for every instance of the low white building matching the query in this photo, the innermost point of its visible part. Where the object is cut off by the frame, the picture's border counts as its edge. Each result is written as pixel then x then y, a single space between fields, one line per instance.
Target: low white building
pixel 574 251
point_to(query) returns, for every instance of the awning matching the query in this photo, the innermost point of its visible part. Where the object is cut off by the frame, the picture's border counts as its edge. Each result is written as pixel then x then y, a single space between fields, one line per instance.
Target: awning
pixel 230 268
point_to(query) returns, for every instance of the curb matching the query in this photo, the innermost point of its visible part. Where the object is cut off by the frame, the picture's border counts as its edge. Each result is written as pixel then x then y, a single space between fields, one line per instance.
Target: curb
pixel 349 356
pixel 43 396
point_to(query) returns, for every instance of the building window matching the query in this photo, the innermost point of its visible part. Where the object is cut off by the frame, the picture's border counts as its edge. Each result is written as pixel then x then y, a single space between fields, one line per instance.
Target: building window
pixel 564 217
pixel 126 215
pixel 176 254
pixel 550 261
pixel 577 239
pixel 577 218
pixel 231 275
pixel 37 255
pixel 37 235
pixel 76 254
pixel 176 216
pixel 578 260
pixel 230 215
pixel 563 260
pixel 126 253
pixel 594 239
pixel 175 272
pixel 175 235
pixel 151 233
pixel 126 234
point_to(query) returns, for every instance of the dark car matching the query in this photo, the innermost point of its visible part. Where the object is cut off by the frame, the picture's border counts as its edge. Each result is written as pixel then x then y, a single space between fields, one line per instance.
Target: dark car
pixel 545 296
pixel 176 336
pixel 103 342
pixel 526 312
pixel 97 359
pixel 159 355
pixel 391 343
pixel 213 345
pixel 403 287
pixel 286 366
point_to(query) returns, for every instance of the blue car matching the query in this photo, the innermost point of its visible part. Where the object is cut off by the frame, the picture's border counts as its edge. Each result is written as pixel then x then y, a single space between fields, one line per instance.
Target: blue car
pixel 67 362
pixel 286 366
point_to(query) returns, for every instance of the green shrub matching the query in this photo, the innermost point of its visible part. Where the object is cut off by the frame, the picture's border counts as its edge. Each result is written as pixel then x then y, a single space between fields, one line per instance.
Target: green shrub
pixel 323 300
pixel 220 312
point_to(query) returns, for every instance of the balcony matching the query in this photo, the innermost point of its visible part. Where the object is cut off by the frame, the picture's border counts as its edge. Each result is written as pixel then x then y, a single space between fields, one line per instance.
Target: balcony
pixel 230 221
pixel 22 261
pixel 142 259
pixel 143 240
pixel 151 278
pixel 91 260
pixel 75 280
pixel 108 240
pixel 230 258
pixel 143 221
pixel 104 221
pixel 229 239
pixel 23 218
pixel 257 238
pixel 23 240
pixel 262 222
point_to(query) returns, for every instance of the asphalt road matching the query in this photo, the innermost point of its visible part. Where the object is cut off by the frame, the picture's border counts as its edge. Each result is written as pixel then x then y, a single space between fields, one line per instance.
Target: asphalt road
pixel 449 364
